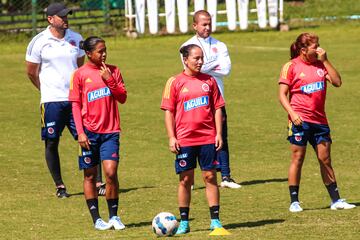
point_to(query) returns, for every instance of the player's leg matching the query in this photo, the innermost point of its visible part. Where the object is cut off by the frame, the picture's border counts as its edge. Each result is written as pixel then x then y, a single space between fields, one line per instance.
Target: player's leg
pixel 184 165
pixel 207 161
pixel 70 124
pixel 224 157
pixel 109 153
pixel 88 161
pixel 294 176
pixel 298 137
pixel 322 146
pixel 52 127
pixel 186 178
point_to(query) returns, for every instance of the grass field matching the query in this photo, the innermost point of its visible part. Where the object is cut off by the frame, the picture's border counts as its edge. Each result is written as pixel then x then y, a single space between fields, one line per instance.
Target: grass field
pixel 259 151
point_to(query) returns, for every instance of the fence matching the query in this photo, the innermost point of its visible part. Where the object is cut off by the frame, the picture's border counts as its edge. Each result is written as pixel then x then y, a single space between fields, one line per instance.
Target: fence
pixel 135 10
pixel 29 15
pixel 111 16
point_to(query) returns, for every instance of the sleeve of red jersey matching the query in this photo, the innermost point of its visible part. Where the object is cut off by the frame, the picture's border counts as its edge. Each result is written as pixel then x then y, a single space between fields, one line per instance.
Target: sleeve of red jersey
pixel 75 98
pixel 74 90
pixel 116 85
pixel 286 74
pixel 168 96
pixel 217 98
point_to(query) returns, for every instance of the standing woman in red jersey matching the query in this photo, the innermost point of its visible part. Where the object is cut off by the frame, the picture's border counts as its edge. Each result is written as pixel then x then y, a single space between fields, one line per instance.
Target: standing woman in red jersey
pixel 302 92
pixel 192 103
pixel 95 90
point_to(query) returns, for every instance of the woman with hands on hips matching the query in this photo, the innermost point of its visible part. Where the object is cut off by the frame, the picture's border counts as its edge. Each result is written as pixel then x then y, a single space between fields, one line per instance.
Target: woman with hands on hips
pixel 192 104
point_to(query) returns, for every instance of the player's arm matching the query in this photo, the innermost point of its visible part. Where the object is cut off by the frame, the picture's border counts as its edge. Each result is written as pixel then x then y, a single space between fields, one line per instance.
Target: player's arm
pixel 75 99
pixel 221 66
pixel 333 75
pixel 82 138
pixel 283 98
pixel 218 125
pixel 170 128
pixel 114 82
pixel 32 70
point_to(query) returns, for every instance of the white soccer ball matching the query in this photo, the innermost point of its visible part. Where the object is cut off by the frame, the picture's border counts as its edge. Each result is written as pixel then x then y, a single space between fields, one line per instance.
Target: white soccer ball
pixel 164 224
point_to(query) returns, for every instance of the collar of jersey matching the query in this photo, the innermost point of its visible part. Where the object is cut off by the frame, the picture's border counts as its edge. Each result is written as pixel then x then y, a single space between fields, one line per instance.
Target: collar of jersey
pixel 50 36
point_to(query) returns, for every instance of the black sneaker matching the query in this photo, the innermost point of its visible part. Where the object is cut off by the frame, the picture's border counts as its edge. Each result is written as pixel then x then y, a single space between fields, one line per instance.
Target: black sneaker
pixel 101 189
pixel 61 192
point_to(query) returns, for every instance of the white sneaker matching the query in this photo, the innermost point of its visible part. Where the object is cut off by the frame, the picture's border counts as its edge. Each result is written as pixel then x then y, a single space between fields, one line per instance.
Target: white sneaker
pixel 102 225
pixel 341 204
pixel 295 207
pixel 228 182
pixel 116 223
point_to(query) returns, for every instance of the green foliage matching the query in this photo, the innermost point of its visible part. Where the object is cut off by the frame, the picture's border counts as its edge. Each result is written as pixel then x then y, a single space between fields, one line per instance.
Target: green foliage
pixel 257 132
pixel 320 8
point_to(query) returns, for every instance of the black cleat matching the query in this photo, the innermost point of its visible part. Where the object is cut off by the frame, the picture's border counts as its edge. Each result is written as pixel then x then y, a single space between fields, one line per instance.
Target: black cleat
pixel 101 189
pixel 61 192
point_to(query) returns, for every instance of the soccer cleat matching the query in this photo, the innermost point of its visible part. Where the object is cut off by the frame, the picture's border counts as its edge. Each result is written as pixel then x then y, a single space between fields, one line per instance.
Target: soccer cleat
pixel 102 225
pixel 228 182
pixel 183 227
pixel 61 192
pixel 295 207
pixel 215 223
pixel 101 189
pixel 116 223
pixel 341 204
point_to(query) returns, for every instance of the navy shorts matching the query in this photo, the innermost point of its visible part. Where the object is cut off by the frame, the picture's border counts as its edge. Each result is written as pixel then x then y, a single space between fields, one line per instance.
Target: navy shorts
pixel 205 154
pixel 54 117
pixel 103 147
pixel 308 132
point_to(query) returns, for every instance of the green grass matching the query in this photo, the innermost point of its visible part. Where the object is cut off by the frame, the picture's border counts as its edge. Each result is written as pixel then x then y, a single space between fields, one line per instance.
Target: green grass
pixel 259 151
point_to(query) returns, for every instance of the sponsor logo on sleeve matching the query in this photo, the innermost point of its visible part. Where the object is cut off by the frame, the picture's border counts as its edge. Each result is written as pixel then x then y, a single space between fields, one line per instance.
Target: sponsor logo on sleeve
pixel 98 94
pixel 196 103
pixel 313 87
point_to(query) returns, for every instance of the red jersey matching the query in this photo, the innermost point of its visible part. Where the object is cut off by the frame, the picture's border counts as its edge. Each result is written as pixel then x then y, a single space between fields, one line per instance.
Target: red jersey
pixel 307 87
pixel 193 101
pixel 96 99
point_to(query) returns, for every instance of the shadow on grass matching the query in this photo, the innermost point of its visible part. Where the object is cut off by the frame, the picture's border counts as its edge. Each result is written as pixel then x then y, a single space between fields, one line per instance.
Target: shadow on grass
pixel 253 224
pixel 125 190
pixel 262 181
pixel 253 182
pixel 142 224
pixel 327 207
pixel 248 224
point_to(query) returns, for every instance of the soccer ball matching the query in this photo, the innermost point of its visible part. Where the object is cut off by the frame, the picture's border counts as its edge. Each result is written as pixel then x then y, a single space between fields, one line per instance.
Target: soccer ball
pixel 164 224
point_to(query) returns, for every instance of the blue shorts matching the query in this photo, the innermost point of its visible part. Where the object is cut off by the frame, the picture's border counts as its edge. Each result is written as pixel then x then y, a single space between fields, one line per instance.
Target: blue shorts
pixel 308 132
pixel 103 147
pixel 186 159
pixel 54 117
